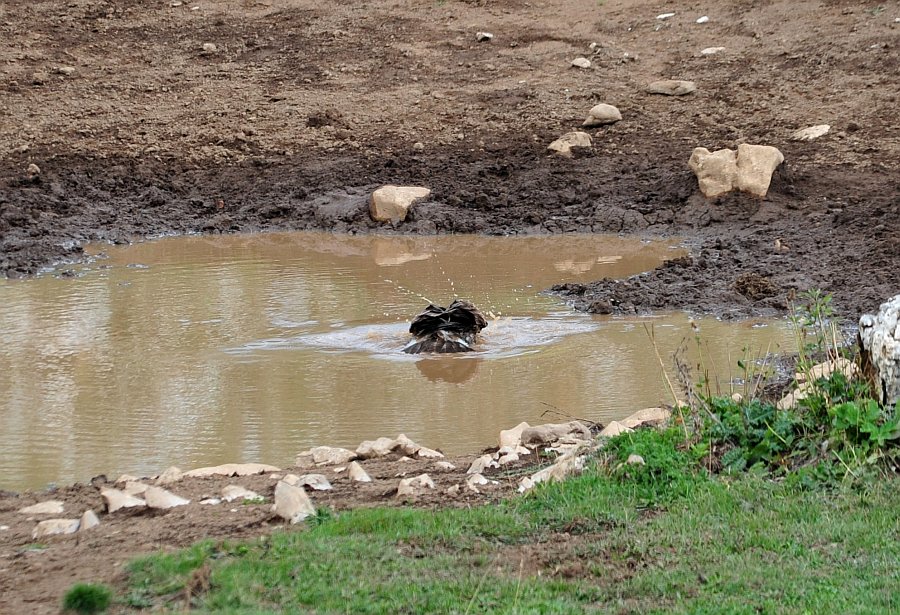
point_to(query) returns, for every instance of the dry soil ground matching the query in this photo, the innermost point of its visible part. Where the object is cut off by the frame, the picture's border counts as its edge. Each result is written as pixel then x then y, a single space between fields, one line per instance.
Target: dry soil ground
pixel 150 117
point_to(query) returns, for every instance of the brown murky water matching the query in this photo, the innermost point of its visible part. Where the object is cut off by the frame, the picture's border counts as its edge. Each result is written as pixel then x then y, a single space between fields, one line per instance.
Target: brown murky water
pixel 203 350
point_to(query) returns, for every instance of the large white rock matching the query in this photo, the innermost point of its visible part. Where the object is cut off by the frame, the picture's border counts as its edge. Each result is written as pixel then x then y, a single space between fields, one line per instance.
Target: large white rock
pixel 614 429
pixel 512 437
pixel 292 503
pixel 406 446
pixel 358 474
pixel 375 448
pixel 671 87
pixel 716 171
pixel 116 500
pixel 232 469
pixel 879 341
pixel 134 488
pixel 331 455
pixel 317 482
pixel 159 498
pixel 392 203
pixel 481 464
pixel 51 527
pixel 50 507
pixel 581 62
pixel 602 114
pixel 88 520
pixel 647 415
pixel 414 485
pixel 171 475
pixel 755 166
pixel 749 169
pixel 563 146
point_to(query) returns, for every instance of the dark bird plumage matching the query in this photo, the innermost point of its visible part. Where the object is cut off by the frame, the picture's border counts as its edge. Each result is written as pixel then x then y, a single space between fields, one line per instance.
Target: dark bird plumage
pixel 450 329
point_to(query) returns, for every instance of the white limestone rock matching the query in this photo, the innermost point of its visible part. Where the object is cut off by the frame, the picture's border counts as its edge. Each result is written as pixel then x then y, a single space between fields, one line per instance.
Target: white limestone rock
pixel 292 503
pixel 50 507
pixel 749 169
pixel 647 415
pixel 580 62
pixel 358 474
pixel 711 51
pixel 879 341
pixel 551 432
pixel 512 437
pixel 117 500
pixel 602 114
pixel 755 166
pixel 811 133
pixel 88 520
pixel 672 87
pixel 614 429
pixel 563 146
pixel 481 464
pixel 171 475
pixel 376 448
pixel 53 527
pixel 392 203
pixel 316 482
pixel 415 485
pixel 716 171
pixel 161 499
pixel 134 488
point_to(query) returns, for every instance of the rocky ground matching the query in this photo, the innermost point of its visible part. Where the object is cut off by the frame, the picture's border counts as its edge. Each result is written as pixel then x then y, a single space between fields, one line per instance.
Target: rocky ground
pixel 126 119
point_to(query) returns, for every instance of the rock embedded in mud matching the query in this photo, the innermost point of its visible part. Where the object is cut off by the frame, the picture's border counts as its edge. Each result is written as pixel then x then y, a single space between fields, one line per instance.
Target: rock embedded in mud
pixel 171 475
pixel 357 474
pixel 317 482
pixel 32 171
pixel 710 51
pixel 292 503
pixel 52 527
pixel 50 507
pixel 159 498
pixel 88 520
pixel 117 500
pixel 749 169
pixel 392 203
pixel 602 114
pixel 483 37
pixel 551 432
pixel 563 146
pixel 580 62
pixel 879 342
pixel 481 464
pixel 415 485
pixel 672 87
pixel 651 416
pixel 811 133
pixel 614 429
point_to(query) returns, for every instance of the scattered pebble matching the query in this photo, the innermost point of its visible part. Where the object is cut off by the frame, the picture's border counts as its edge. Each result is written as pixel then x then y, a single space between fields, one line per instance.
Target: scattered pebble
pixel 50 507
pixel 602 114
pixel 236 492
pixel 665 15
pixel 88 520
pixel 711 51
pixel 635 460
pixel 703 19
pixel 209 48
pixel 4 528
pixel 66 70
pixel 483 36
pixel 51 527
pixel 418 146
pixel 581 63
pixel 159 498
pixel 33 170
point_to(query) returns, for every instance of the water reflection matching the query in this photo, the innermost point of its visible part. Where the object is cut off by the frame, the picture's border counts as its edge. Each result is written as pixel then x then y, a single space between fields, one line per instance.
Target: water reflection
pixel 219 349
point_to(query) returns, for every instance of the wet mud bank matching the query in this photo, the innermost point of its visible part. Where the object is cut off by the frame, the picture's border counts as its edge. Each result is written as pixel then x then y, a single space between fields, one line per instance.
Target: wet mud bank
pixel 836 229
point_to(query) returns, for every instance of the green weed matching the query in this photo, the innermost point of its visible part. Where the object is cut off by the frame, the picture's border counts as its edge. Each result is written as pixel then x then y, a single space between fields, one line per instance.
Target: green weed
pixel 87 598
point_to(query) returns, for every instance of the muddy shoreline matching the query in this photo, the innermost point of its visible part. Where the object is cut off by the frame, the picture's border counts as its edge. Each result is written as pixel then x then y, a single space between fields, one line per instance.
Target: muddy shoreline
pixel 841 237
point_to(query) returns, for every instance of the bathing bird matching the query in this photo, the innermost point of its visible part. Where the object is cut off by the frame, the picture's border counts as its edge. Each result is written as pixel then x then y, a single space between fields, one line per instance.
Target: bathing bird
pixel 450 329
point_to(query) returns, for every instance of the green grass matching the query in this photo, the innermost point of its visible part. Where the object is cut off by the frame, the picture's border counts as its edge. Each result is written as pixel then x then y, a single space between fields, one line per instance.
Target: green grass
pixel 590 544
pixel 87 598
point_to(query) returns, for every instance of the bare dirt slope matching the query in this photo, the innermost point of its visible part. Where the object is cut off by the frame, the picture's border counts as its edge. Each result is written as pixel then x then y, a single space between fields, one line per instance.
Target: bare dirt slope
pixel 147 118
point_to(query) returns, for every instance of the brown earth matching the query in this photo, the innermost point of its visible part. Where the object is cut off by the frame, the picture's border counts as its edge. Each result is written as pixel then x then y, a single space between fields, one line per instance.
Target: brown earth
pixel 300 108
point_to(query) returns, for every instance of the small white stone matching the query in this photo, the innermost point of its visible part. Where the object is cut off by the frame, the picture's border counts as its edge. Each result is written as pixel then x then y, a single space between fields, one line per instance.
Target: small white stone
pixel 481 464
pixel 513 436
pixel 444 465
pixel 125 478
pixel 50 507
pixel 449 491
pixel 482 37
pixel 232 469
pixel 171 475
pixel 4 528
pixel 703 19
pixel 602 114
pixel 33 170
pixel 211 501
pixel 134 488
pixel 427 453
pixel 635 460
pixel 508 458
pixel 665 15
pixel 563 146
pixel 614 429
pixel 581 63
pixel 392 203
pixel 318 482
pixel 209 48
pixel 709 51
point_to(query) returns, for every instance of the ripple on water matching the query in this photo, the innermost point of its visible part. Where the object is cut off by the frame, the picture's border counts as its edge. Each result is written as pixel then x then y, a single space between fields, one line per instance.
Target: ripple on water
pixel 504 337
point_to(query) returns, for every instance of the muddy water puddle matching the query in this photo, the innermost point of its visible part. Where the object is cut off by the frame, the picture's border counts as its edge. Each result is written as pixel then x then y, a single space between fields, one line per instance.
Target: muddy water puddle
pixel 202 350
